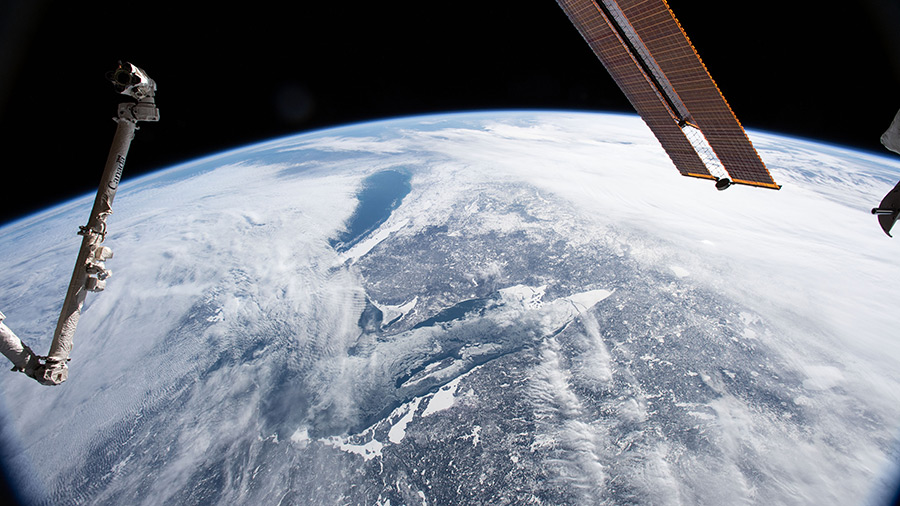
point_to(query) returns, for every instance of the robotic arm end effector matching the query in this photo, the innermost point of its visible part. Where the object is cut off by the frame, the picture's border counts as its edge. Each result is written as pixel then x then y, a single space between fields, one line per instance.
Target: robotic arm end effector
pixel 26 361
pixel 133 81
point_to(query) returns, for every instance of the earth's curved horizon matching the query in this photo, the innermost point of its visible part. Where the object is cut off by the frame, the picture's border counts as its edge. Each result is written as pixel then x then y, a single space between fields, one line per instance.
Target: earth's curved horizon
pixel 491 307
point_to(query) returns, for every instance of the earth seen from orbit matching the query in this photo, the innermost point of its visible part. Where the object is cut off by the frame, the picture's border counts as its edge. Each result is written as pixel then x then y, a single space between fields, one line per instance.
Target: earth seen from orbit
pixel 518 307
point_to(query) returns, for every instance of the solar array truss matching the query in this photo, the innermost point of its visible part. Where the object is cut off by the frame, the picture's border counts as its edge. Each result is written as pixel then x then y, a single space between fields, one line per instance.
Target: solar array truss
pixel 646 51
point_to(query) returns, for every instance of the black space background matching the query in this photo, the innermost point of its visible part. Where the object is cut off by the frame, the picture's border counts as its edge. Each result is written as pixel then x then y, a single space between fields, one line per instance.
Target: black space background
pixel 235 73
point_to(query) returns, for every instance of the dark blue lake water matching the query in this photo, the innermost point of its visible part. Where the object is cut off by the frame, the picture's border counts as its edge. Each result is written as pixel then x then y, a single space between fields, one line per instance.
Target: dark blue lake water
pixel 380 194
pixel 458 311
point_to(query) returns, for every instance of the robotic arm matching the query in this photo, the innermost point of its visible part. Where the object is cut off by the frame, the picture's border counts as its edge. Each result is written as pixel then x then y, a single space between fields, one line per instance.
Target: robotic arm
pixel 18 353
pixel 90 270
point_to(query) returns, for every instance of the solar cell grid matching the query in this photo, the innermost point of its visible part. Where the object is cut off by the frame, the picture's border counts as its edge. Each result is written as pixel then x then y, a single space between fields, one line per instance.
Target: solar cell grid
pixel 596 29
pixel 645 50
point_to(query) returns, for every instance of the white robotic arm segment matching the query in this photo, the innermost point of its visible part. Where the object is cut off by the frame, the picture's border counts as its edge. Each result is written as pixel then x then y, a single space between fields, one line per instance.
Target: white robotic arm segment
pixel 17 352
pixel 90 270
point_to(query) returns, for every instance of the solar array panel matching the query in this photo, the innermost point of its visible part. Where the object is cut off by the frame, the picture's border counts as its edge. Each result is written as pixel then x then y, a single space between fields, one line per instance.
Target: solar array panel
pixel 647 53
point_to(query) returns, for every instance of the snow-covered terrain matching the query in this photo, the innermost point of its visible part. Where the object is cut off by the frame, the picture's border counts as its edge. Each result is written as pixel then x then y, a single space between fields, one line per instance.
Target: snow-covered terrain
pixel 544 312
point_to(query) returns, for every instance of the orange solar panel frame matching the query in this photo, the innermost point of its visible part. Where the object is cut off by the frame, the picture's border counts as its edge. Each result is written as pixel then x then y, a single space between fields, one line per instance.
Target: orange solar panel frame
pixel 647 53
